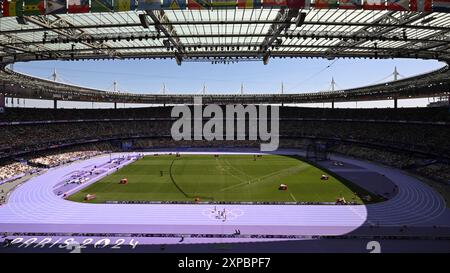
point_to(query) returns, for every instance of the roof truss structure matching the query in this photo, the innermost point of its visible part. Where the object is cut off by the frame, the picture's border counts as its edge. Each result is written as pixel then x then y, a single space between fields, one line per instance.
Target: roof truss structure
pixel 222 35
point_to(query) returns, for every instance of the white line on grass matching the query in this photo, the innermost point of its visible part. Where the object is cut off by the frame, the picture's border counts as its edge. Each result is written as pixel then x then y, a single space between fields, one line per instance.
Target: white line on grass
pixel 293 197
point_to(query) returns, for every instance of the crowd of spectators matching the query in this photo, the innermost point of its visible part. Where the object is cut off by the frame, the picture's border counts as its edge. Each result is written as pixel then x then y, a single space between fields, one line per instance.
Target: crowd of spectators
pixel 395 159
pixel 34 137
pixel 437 170
pixel 52 158
pixel 9 170
pixel 426 138
pixel 424 114
pixel 43 114
pixel 62 158
pixel 429 114
pixel 420 137
pixel 390 136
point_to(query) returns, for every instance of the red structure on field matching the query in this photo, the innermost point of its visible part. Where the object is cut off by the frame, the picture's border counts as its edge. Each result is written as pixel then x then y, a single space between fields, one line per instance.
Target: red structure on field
pixel 341 201
pixel 123 181
pixel 89 197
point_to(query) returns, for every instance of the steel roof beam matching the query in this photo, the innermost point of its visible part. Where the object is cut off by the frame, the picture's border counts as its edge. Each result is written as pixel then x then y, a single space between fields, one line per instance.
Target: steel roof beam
pixel 380 26
pixel 214 22
pixel 244 54
pixel 70 32
pixel 350 37
pixel 163 24
pixel 434 40
pixel 282 22
pixel 252 47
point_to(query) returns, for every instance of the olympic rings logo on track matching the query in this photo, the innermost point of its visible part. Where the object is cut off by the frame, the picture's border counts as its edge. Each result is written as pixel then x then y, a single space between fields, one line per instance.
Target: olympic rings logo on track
pixel 222 214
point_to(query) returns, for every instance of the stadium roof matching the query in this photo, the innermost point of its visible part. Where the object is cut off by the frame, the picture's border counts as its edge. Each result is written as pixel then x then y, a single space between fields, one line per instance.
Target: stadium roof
pixel 431 84
pixel 221 35
pixel 226 35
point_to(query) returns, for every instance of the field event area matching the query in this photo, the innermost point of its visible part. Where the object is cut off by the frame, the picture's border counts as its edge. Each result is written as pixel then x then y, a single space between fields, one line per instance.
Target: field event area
pixel 222 178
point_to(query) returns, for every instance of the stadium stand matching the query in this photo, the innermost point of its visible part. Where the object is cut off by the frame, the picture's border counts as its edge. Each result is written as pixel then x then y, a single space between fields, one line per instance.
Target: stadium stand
pixel 429 114
pixel 53 160
pixel 408 138
pixel 10 169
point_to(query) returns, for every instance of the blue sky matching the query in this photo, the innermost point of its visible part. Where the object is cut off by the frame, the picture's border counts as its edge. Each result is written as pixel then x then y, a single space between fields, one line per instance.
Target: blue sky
pixel 298 75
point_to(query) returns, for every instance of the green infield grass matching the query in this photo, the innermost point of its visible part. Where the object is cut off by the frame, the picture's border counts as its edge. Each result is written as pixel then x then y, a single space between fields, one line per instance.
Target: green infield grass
pixel 221 178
